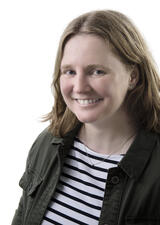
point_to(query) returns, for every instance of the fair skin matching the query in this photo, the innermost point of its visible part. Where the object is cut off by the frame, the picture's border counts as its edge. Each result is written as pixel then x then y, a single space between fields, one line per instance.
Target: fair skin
pixel 94 83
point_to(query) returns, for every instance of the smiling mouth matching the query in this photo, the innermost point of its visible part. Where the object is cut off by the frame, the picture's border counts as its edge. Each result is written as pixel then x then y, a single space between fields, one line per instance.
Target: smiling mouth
pixel 88 101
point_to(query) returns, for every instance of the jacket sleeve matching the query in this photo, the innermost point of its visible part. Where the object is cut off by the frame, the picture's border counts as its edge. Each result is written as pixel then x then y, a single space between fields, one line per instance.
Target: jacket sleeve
pixel 17 219
pixel 20 212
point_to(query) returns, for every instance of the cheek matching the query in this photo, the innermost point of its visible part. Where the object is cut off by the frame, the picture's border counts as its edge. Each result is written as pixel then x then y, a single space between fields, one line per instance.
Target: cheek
pixel 65 87
pixel 103 87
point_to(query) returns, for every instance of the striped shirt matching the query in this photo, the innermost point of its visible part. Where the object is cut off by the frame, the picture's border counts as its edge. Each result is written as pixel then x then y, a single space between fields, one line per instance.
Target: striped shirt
pixel 79 194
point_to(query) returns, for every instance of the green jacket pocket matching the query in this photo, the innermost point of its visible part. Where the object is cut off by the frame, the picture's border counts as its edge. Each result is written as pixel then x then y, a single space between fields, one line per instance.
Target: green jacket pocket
pixel 30 181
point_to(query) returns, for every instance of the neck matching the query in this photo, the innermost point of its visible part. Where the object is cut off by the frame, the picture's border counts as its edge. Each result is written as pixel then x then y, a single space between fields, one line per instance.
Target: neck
pixel 113 137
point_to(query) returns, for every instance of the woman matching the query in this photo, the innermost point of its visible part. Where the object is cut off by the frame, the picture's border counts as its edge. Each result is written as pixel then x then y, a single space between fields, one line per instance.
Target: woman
pixel 99 160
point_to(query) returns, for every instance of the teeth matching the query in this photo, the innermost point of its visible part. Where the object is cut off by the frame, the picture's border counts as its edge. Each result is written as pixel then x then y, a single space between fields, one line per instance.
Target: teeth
pixel 87 101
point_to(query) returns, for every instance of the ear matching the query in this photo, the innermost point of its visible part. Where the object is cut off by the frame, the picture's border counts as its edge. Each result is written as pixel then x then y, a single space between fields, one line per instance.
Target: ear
pixel 134 77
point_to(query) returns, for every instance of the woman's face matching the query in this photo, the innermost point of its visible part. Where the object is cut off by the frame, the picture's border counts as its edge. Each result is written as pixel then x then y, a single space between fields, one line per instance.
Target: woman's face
pixel 93 80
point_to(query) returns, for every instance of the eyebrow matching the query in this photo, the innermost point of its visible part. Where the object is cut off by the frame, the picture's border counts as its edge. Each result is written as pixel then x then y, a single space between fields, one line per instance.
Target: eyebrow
pixel 90 66
pixel 67 66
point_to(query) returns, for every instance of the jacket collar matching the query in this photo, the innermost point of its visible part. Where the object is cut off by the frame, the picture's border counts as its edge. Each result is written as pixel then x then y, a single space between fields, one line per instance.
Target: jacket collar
pixel 136 157
pixel 69 137
pixel 57 140
pixel 138 154
pixel 66 142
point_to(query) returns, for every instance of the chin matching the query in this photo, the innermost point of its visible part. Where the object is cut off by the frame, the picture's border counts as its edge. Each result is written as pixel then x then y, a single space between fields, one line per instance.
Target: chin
pixel 86 120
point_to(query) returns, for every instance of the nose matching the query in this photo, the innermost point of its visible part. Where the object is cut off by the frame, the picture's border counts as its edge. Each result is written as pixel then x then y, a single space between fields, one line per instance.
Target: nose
pixel 81 83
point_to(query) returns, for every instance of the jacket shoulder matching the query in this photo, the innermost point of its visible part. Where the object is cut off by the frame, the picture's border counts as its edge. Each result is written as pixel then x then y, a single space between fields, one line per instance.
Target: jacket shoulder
pixel 41 151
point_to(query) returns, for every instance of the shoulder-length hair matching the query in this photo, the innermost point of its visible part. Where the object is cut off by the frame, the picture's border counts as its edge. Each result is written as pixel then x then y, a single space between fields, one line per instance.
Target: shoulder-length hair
pixel 143 102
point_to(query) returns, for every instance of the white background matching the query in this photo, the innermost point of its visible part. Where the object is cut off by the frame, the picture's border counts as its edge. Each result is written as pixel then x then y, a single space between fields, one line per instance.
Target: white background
pixel 29 35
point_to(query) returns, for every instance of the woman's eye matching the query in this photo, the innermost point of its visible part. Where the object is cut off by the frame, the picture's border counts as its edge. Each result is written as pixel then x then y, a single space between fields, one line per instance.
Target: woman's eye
pixel 69 72
pixel 98 72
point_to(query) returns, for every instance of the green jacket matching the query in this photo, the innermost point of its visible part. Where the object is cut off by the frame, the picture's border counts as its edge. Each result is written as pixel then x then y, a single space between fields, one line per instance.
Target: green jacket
pixel 132 195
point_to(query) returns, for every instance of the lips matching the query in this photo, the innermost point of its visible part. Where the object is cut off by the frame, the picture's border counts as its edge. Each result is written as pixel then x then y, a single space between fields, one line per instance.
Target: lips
pixel 88 101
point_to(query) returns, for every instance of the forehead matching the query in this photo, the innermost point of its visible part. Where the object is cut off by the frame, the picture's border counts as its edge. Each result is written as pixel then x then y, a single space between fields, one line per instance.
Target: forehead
pixel 86 47
pixel 85 41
